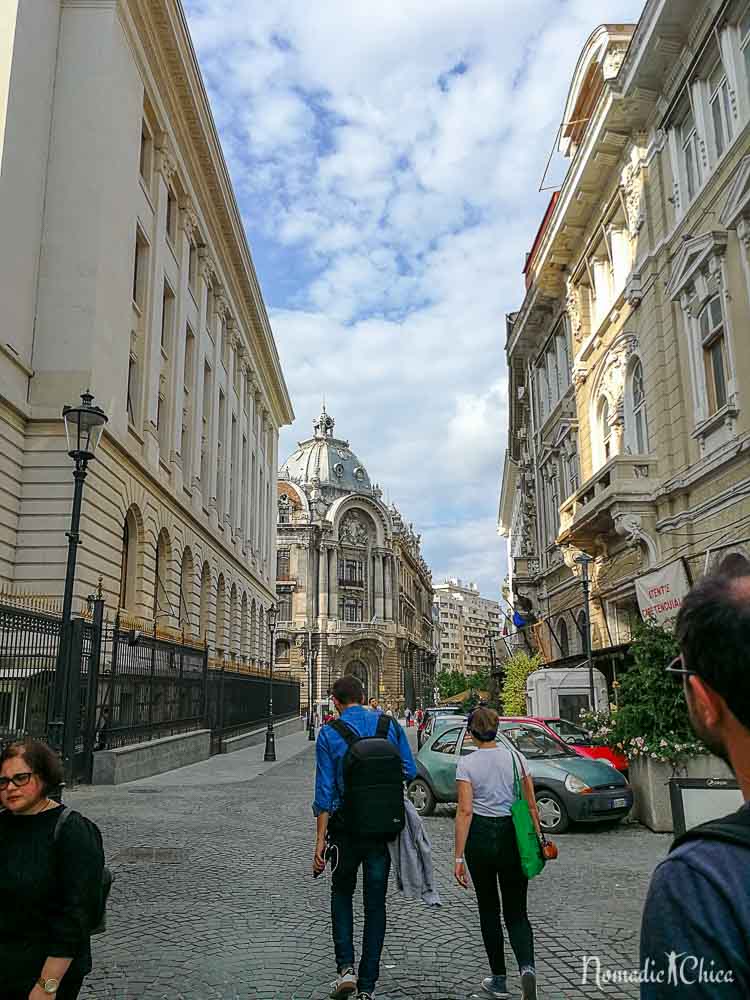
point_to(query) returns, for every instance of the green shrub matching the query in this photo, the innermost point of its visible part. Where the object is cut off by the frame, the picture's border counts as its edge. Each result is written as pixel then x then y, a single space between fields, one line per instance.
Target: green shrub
pixel 517 669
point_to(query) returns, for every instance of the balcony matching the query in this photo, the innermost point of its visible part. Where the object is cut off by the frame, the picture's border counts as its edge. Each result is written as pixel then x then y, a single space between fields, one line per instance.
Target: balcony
pixel 614 501
pixel 352 582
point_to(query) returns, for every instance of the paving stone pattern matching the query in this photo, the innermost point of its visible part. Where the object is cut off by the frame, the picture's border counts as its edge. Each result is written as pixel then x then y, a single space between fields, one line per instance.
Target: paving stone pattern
pixel 214 898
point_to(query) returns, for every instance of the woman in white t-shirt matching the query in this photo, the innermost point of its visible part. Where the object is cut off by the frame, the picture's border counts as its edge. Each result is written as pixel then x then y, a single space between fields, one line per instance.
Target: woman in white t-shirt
pixel 486 836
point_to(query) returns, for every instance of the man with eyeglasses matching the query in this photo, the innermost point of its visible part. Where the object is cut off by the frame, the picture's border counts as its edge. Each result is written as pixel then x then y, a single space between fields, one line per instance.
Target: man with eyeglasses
pixel 695 934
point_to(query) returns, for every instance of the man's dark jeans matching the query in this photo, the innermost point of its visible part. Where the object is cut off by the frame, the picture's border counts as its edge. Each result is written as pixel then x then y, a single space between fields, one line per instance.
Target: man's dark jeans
pixel 375 861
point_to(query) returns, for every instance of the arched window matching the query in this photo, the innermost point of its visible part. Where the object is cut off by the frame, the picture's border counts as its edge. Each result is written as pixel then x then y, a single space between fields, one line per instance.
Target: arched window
pixel 244 649
pixel 262 634
pixel 563 638
pixel 205 598
pixel 285 509
pixel 637 425
pixel 233 631
pixel 129 563
pixel 282 564
pixel 186 589
pixel 221 614
pixel 605 431
pixel 253 631
pixel 162 603
pixel 282 651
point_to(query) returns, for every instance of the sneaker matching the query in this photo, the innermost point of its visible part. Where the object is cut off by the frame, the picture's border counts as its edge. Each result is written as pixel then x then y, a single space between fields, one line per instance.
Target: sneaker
pixel 528 983
pixel 365 996
pixel 346 984
pixel 496 987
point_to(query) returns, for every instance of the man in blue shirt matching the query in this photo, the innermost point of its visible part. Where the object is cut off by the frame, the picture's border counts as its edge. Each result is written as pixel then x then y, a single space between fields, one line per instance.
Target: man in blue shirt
pixel 348 850
pixel 695 935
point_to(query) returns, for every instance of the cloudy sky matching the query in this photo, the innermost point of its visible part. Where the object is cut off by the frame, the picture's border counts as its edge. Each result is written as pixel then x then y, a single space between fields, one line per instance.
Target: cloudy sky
pixel 387 155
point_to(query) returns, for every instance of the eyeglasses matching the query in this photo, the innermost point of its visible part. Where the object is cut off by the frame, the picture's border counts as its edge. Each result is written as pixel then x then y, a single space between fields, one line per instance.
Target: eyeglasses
pixel 19 780
pixel 678 670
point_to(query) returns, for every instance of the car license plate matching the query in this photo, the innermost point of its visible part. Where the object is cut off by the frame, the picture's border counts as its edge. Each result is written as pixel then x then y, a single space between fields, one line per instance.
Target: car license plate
pixel 618 803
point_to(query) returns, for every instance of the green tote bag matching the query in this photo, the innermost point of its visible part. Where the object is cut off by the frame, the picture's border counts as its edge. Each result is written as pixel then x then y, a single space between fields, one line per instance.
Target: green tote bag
pixel 532 859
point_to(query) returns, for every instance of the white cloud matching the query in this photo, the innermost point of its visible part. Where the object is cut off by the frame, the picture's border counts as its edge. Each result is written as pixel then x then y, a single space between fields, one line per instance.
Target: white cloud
pixel 391 153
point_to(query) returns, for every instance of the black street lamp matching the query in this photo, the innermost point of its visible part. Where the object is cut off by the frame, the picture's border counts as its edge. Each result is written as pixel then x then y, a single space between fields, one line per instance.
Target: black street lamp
pixel 83 429
pixel 270 754
pixel 584 560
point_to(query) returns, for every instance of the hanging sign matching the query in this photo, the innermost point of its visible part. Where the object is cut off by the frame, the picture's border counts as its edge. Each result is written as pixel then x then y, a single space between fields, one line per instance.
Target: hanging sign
pixel 660 593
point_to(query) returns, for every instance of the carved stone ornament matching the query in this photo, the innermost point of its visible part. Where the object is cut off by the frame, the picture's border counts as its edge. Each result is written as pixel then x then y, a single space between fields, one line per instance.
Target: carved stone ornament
pixel 573 305
pixel 630 526
pixel 612 384
pixel 580 374
pixel 613 60
pixel 166 164
pixel 353 531
pixel 632 183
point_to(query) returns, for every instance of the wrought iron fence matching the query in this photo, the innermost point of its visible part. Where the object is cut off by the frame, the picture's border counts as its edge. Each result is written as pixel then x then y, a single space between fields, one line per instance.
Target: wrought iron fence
pixel 29 642
pixel 149 687
pixel 237 699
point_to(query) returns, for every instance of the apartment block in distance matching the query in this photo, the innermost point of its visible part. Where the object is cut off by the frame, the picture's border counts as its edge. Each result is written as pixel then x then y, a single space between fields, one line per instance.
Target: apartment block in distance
pixel 468 622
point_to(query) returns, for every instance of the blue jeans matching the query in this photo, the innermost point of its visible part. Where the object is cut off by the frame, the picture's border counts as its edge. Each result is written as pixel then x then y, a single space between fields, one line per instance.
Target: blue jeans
pixel 375 861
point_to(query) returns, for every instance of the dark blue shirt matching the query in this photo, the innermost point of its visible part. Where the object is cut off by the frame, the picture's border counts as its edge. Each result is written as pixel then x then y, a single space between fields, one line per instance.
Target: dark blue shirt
pixel 331 749
pixel 698 908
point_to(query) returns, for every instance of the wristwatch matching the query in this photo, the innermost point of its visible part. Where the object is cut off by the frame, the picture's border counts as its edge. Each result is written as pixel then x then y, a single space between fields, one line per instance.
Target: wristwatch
pixel 50 986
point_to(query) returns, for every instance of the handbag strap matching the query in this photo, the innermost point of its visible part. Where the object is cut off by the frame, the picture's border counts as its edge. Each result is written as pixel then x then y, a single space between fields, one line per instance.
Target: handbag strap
pixel 61 819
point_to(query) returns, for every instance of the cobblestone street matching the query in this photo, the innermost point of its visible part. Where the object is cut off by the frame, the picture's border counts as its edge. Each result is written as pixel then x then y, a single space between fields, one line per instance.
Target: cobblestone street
pixel 214 897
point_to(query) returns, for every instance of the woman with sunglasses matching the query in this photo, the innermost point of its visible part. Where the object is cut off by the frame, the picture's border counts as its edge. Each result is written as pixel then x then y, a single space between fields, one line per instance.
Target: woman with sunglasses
pixel 50 887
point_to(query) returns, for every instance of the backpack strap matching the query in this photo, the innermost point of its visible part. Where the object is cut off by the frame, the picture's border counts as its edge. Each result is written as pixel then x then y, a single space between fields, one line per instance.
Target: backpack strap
pixel 345 732
pixel 383 727
pixel 61 819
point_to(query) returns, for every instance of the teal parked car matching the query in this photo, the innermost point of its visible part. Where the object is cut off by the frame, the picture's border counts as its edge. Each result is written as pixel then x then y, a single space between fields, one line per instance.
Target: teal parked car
pixel 569 788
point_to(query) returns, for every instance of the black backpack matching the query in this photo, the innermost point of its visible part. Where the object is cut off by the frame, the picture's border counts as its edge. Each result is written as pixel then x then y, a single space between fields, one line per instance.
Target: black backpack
pixel 732 829
pixel 99 918
pixel 373 783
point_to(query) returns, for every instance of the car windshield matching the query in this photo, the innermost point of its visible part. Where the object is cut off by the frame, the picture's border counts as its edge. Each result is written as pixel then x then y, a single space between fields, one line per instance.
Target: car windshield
pixel 534 743
pixel 564 728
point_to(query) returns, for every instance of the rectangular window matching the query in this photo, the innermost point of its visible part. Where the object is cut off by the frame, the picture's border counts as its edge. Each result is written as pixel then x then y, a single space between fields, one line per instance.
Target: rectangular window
pixel 690 158
pixel 282 564
pixel 210 311
pixel 193 267
pixel 206 428
pixel 285 612
pixel 146 155
pixel 187 375
pixel 132 387
pixel 711 325
pixel 171 216
pixel 220 459
pixel 721 114
pixel 167 318
pixel 140 270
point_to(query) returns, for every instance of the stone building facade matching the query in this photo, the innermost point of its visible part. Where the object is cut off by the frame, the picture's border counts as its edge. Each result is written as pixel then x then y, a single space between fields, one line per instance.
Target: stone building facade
pixel 128 273
pixel 628 360
pixel 354 592
pixel 468 624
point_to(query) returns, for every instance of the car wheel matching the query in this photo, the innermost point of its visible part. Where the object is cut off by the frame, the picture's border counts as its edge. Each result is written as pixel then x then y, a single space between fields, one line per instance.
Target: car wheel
pixel 421 797
pixel 553 816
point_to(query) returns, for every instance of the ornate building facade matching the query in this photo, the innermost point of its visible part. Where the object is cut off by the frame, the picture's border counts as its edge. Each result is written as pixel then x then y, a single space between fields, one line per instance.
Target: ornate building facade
pixel 354 593
pixel 628 362
pixel 130 275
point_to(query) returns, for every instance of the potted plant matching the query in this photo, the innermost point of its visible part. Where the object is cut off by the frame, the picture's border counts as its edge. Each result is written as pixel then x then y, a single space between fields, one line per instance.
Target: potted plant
pixel 651 726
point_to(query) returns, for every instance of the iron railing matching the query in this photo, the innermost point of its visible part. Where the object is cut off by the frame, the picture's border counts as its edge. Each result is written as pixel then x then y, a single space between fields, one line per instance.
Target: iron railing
pixel 29 642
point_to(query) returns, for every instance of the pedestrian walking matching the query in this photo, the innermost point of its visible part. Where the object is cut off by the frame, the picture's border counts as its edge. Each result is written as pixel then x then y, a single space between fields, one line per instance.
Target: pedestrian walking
pixel 374 705
pixel 50 880
pixel 363 759
pixel 695 933
pixel 407 716
pixel 486 844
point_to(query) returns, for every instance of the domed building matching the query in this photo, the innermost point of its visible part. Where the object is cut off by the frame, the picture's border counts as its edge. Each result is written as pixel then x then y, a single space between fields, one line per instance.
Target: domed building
pixel 354 593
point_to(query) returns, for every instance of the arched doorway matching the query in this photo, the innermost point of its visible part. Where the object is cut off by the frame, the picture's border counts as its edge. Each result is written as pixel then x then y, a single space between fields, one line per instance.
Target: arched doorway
pixel 359 670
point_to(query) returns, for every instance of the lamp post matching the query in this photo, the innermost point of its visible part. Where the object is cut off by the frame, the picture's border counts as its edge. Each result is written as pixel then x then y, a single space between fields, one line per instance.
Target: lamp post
pixel 270 754
pixel 584 560
pixel 83 429
pixel 313 640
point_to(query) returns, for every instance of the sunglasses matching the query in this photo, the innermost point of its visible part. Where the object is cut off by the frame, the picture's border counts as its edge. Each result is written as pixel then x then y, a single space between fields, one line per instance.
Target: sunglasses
pixel 678 670
pixel 19 780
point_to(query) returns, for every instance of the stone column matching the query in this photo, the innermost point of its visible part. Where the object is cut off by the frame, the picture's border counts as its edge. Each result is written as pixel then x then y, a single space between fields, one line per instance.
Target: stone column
pixel 179 342
pixel 333 576
pixel 214 431
pixel 202 345
pixel 323 582
pixel 389 586
pixel 379 595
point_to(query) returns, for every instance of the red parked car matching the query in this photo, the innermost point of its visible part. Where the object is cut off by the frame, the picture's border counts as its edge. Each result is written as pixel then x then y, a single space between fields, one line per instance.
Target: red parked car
pixel 578 739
